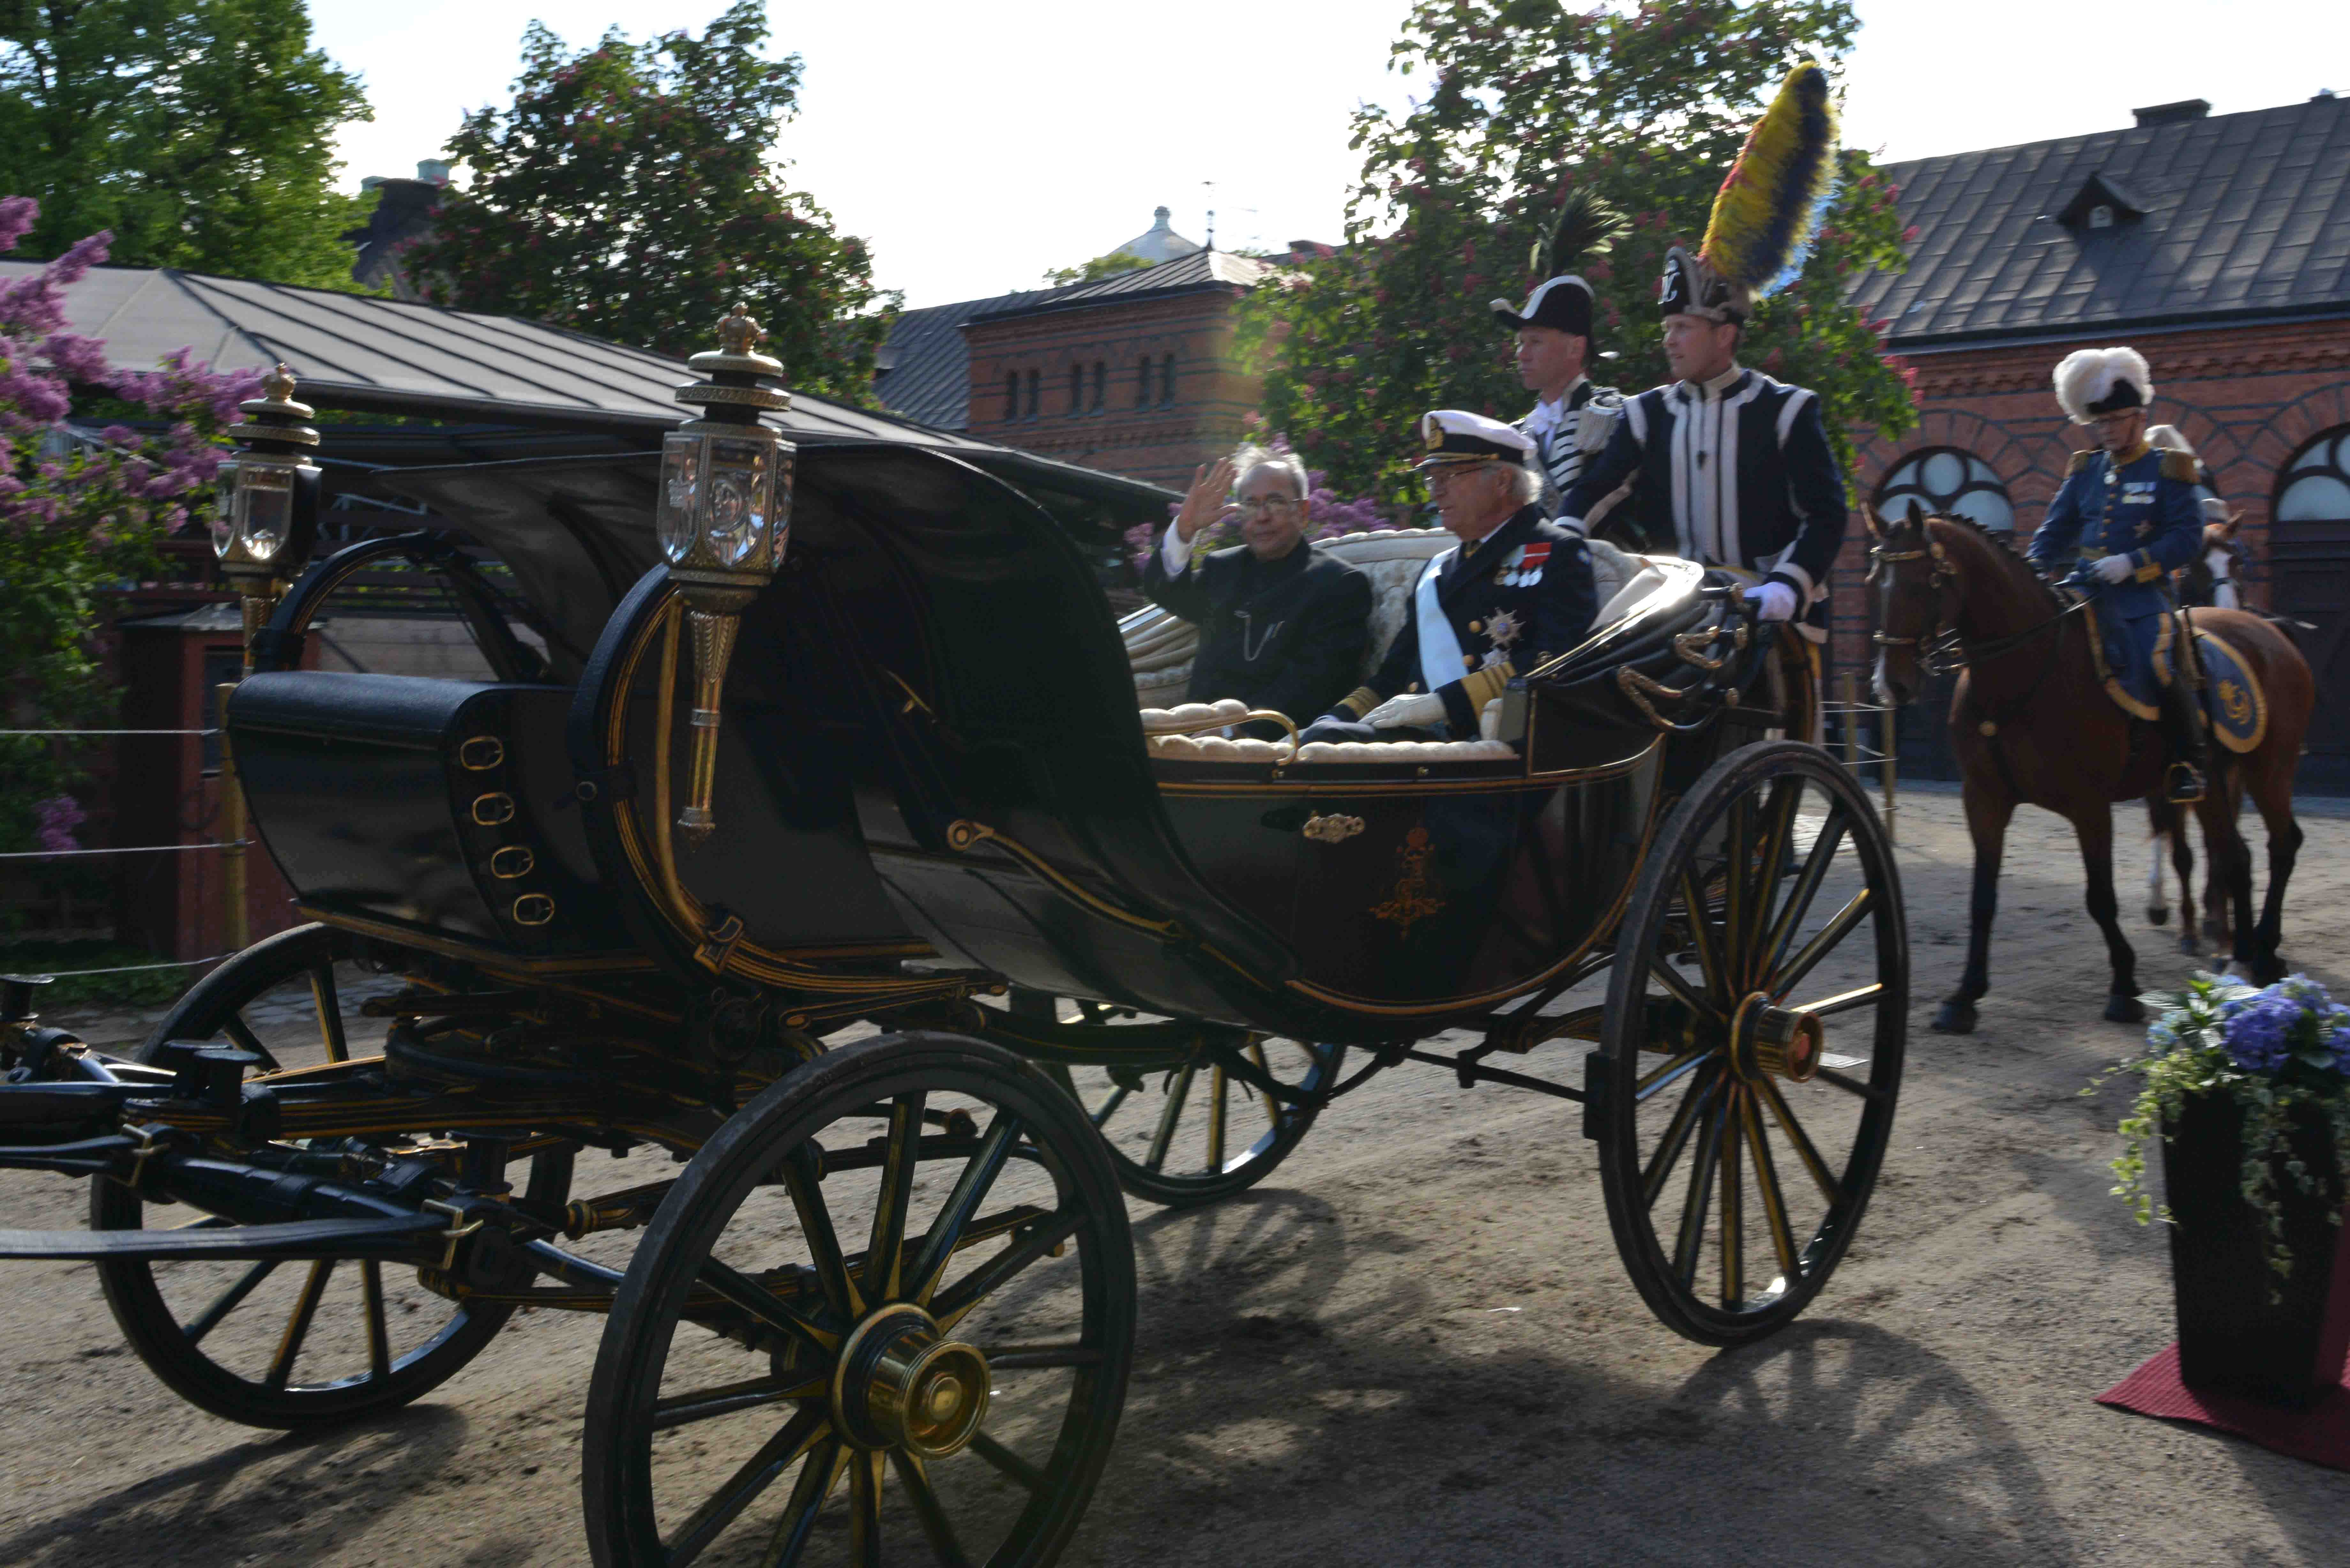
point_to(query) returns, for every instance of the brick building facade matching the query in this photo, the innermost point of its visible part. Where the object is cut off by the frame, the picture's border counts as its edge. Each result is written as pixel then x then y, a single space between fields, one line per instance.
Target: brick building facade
pixel 2218 246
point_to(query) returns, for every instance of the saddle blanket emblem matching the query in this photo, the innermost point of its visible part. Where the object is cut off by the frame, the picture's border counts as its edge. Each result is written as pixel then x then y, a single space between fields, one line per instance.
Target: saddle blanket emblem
pixel 2238 709
pixel 1523 569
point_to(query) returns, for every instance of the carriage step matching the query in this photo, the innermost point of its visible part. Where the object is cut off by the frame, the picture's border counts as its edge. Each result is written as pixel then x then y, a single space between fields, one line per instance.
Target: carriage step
pixel 293 1239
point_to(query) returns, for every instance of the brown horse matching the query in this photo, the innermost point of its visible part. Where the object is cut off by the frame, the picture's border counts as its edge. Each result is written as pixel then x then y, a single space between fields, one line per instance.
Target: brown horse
pixel 2031 725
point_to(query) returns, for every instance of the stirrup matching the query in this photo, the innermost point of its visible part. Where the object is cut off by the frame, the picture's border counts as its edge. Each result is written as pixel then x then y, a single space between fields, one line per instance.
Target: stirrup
pixel 2182 784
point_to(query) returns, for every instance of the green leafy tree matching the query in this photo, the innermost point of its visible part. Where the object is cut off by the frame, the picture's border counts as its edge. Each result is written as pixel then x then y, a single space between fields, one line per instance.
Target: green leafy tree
pixel 1648 110
pixel 630 192
pixel 1102 266
pixel 198 132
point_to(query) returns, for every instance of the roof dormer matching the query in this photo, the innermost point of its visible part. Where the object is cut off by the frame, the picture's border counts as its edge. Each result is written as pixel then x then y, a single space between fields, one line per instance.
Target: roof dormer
pixel 2102 202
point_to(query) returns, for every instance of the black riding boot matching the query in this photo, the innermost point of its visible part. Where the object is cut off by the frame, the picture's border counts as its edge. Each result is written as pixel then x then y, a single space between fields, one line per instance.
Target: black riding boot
pixel 2182 725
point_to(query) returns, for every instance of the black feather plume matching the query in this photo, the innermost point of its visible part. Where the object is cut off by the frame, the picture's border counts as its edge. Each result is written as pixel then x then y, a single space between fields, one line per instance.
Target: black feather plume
pixel 1586 226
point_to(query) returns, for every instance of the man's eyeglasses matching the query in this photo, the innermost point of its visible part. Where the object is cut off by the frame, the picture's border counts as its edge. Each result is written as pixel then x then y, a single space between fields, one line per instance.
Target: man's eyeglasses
pixel 1270 504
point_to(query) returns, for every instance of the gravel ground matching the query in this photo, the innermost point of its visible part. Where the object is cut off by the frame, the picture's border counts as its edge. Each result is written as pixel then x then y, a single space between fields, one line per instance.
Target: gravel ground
pixel 1415 1344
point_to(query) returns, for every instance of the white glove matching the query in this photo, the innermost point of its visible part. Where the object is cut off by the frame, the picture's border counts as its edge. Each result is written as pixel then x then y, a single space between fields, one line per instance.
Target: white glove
pixel 2114 569
pixel 1776 600
pixel 1425 710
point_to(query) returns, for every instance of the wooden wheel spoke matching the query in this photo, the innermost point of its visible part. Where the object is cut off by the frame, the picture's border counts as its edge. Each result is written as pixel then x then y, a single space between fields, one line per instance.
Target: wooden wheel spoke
pixel 1774 1202
pixel 703 1403
pixel 1010 1463
pixel 1842 1002
pixel 937 1528
pixel 883 1257
pixel 1805 1149
pixel 742 1489
pixel 738 1289
pixel 1691 1237
pixel 1738 913
pixel 1168 1114
pixel 865 1509
pixel 817 1479
pixel 1272 1107
pixel 1733 1203
pixel 1824 942
pixel 1663 973
pixel 840 1291
pixel 978 1174
pixel 952 1303
pixel 235 1028
pixel 1700 936
pixel 330 1013
pixel 1217 1085
pixel 378 1337
pixel 1015 1358
pixel 1685 1116
pixel 1661 1078
pixel 1816 866
pixel 228 1300
pixel 1110 1106
pixel 1778 831
pixel 297 1327
pixel 1850 1085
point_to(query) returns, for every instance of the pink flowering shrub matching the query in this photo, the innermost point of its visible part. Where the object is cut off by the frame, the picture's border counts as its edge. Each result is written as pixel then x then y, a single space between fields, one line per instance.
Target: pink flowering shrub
pixel 80 509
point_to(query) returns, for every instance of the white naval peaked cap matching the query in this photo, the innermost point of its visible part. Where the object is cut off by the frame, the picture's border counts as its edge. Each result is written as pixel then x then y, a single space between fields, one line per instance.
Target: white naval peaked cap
pixel 1456 435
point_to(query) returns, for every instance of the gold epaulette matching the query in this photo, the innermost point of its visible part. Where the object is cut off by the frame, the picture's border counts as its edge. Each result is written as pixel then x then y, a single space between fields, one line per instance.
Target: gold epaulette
pixel 2080 461
pixel 2181 466
pixel 1359 701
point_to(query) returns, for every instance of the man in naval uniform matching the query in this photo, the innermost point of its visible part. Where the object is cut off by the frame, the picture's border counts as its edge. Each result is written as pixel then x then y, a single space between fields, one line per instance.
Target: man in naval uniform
pixel 1515 591
pixel 1572 418
pixel 2132 510
pixel 1724 464
pixel 1282 624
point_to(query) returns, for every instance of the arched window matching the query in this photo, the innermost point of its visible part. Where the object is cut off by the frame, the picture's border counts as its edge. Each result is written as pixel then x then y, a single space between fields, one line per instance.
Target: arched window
pixel 1101 385
pixel 1167 382
pixel 1142 382
pixel 1035 397
pixel 1010 394
pixel 1076 390
pixel 2316 485
pixel 1946 479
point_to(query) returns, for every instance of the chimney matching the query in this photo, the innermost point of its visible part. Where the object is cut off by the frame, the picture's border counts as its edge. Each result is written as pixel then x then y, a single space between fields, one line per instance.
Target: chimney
pixel 433 169
pixel 2165 113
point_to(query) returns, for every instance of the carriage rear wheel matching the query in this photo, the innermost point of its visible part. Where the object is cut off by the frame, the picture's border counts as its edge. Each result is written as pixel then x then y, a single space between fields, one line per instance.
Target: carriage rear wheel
pixel 291 1345
pixel 1199 1133
pixel 1756 1015
pixel 891 1299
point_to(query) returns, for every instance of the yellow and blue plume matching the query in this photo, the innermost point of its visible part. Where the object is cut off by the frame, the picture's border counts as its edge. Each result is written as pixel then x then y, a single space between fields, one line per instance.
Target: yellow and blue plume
pixel 1768 211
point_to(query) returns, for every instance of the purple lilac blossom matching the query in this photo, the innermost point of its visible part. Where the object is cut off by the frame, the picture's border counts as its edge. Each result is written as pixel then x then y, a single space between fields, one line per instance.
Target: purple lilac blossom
pixel 54 820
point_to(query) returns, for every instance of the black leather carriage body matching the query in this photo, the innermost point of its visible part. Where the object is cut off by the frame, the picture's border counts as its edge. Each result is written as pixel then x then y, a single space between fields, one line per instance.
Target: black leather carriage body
pixel 445 805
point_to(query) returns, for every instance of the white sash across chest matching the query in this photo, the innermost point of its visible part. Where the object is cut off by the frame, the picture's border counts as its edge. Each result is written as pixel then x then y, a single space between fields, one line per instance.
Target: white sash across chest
pixel 1439 649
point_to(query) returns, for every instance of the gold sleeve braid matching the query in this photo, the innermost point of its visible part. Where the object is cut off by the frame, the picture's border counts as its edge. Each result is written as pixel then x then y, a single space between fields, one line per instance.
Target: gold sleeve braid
pixel 1359 701
pixel 1481 686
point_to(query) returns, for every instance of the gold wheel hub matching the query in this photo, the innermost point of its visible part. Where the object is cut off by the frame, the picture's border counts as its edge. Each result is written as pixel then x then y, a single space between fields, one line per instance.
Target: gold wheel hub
pixel 900 1383
pixel 1768 1040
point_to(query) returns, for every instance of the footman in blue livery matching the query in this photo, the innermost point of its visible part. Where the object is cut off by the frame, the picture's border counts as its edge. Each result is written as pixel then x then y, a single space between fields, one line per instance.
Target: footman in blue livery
pixel 2131 510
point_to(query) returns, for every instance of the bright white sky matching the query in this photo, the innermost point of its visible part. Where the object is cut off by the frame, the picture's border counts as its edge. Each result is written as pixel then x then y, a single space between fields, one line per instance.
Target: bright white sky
pixel 976 145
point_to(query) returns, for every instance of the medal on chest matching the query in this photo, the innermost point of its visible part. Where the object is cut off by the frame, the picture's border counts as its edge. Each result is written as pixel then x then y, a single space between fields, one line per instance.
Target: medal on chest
pixel 1523 568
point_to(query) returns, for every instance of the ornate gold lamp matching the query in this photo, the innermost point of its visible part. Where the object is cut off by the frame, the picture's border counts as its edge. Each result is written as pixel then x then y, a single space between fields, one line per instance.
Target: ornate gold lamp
pixel 723 516
pixel 265 530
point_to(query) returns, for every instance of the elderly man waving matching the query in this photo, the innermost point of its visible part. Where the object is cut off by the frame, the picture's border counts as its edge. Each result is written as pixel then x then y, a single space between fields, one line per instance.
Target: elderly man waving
pixel 1515 591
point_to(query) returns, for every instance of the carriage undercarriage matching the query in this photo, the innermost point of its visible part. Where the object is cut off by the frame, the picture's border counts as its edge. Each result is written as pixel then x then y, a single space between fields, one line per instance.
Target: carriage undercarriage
pixel 862 1249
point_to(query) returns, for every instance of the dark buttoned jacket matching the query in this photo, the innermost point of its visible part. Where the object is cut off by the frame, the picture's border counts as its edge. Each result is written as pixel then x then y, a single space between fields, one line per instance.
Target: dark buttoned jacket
pixel 1737 472
pixel 1289 635
pixel 1520 595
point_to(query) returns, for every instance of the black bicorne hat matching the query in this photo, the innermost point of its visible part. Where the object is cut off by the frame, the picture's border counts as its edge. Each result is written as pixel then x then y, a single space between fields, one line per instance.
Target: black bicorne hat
pixel 1586 227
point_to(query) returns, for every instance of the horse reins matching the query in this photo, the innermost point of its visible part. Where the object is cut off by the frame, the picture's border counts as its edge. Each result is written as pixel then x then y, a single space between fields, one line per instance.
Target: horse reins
pixel 1942 632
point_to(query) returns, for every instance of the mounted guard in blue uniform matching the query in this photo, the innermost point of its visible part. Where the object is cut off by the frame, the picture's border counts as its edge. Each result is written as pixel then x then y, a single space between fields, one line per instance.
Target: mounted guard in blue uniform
pixel 2133 512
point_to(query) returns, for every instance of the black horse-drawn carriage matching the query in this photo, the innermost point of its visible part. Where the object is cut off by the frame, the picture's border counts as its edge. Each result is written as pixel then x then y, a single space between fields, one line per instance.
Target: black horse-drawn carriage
pixel 850 878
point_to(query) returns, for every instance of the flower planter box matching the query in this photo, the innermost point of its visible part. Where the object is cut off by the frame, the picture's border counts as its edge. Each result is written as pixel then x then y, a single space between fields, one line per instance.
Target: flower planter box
pixel 2245 1330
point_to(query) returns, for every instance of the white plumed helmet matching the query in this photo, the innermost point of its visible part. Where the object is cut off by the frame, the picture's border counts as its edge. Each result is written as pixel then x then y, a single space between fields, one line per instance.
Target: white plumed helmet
pixel 2094 381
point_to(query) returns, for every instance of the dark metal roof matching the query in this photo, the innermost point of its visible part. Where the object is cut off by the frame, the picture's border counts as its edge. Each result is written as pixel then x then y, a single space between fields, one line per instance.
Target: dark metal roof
pixel 2239 216
pixel 929 375
pixel 367 355
pixel 1200 269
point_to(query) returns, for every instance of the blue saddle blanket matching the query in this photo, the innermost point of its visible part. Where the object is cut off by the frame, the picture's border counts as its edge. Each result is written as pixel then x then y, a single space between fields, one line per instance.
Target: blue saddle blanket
pixel 2233 698
pixel 2133 654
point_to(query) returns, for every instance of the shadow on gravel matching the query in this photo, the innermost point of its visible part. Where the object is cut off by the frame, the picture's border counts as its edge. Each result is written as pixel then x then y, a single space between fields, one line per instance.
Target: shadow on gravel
pixel 278 1502
pixel 1270 1424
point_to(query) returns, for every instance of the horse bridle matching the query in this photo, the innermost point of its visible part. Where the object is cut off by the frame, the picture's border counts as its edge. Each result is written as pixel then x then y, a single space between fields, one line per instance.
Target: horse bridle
pixel 1940 647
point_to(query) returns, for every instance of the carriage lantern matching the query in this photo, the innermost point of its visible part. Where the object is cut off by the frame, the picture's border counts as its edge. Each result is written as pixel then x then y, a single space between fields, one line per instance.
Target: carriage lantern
pixel 266 529
pixel 724 513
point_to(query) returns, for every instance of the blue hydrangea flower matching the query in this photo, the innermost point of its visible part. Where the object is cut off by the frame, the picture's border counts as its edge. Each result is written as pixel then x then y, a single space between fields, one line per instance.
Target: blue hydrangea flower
pixel 2256 1029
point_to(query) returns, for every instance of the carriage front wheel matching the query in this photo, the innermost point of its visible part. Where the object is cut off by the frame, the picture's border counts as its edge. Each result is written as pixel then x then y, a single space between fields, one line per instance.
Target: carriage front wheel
pixel 1756 1014
pixel 892 1299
